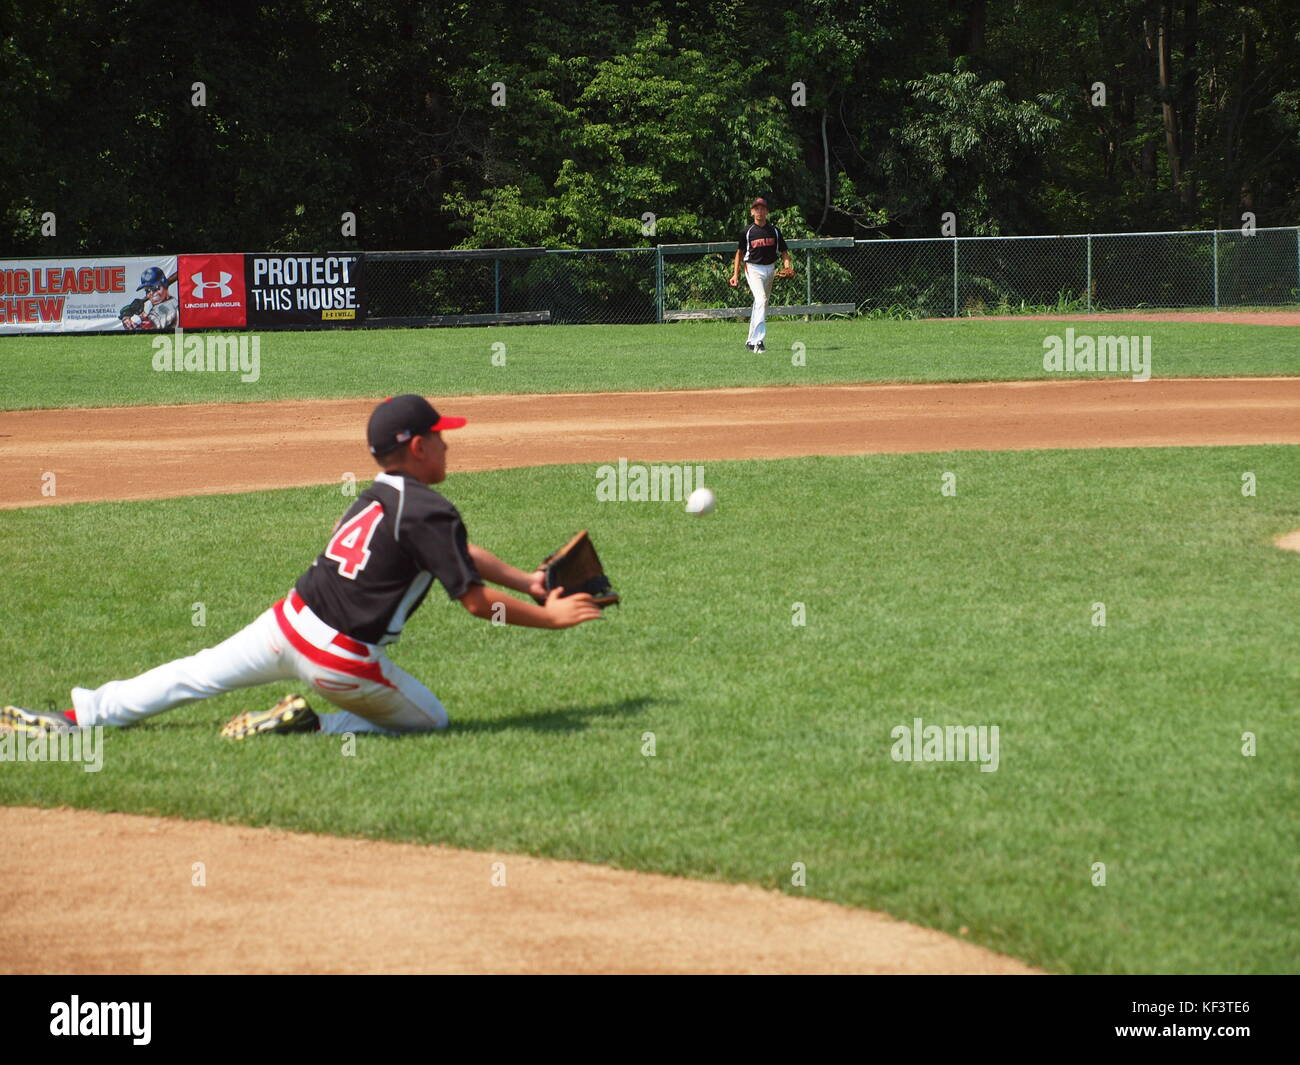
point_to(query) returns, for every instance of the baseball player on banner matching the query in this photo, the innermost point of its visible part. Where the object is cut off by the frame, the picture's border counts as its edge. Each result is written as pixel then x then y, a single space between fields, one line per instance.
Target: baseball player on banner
pixel 157 309
pixel 331 630
pixel 758 246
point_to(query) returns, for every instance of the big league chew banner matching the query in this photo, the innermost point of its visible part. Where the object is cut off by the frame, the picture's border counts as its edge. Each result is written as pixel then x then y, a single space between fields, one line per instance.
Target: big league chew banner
pixel 85 295
pixel 143 293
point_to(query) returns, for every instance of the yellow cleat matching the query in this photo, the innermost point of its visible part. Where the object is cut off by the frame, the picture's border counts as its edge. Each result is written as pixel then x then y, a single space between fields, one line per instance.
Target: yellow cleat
pixel 290 714
pixel 16 719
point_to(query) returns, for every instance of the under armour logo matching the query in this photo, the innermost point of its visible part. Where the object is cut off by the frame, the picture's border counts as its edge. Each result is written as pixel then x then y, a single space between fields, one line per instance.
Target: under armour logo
pixel 223 284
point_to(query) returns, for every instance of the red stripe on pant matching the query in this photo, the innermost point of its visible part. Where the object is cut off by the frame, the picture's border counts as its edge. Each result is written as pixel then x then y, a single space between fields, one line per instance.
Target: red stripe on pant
pixel 367 670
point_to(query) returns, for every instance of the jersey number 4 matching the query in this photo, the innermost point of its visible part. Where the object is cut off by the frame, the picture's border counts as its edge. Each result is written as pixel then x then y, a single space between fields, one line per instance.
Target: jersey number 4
pixel 350 546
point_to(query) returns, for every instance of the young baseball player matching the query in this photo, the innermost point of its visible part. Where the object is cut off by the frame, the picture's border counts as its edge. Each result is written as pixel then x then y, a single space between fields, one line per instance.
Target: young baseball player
pixel 331 630
pixel 757 247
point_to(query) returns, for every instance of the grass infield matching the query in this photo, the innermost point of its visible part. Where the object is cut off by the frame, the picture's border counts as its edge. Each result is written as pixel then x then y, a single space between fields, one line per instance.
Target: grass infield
pixel 1119 744
pixel 70 371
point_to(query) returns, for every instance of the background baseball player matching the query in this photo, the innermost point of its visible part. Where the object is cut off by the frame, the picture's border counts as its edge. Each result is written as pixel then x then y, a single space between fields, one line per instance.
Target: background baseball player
pixel 331 630
pixel 757 247
pixel 158 309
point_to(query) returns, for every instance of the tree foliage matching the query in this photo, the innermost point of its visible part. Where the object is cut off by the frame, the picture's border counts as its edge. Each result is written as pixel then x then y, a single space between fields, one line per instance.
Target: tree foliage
pixel 861 117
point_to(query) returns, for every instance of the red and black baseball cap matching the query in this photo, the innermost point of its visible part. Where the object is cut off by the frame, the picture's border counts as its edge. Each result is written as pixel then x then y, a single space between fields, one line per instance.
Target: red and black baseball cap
pixel 759 202
pixel 399 418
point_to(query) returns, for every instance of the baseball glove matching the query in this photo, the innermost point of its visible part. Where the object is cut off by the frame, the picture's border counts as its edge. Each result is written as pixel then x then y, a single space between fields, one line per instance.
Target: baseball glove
pixel 134 307
pixel 576 568
pixel 785 271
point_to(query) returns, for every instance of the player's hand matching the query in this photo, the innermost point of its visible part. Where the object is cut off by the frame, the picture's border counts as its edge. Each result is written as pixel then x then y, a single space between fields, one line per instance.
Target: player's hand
pixel 733 281
pixel 537 584
pixel 571 610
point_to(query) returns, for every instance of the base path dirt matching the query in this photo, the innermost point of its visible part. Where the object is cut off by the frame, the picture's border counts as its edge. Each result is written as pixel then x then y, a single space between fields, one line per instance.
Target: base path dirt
pixel 280 902
pixel 152 452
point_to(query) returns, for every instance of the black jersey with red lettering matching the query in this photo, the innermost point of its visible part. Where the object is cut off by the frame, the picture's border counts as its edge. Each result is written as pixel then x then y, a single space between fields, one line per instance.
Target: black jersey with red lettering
pixel 761 244
pixel 384 554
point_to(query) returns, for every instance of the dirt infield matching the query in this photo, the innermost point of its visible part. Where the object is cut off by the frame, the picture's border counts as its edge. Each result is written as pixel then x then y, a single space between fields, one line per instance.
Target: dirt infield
pixel 1101 317
pixel 153 452
pixel 280 902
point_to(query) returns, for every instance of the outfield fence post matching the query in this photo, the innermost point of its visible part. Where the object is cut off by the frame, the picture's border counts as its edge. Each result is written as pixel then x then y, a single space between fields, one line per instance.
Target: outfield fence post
pixel 496 286
pixel 954 276
pixel 1297 264
pixel 808 280
pixel 659 284
pixel 1215 253
pixel 1088 273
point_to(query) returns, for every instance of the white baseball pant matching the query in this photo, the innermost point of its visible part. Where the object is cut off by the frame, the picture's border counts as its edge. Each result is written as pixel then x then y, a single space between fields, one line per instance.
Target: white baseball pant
pixel 288 641
pixel 760 284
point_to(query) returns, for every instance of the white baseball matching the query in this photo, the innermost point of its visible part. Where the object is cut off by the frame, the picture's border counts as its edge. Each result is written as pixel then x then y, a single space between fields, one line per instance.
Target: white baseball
pixel 701 501
pixel 136 319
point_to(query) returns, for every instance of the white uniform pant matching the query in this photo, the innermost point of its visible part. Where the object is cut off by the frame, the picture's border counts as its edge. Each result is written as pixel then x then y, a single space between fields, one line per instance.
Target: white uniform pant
pixel 760 284
pixel 390 700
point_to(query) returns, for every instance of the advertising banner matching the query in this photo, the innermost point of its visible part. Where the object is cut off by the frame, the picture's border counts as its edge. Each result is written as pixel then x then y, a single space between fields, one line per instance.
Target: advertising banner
pixel 312 290
pixel 212 291
pixel 83 295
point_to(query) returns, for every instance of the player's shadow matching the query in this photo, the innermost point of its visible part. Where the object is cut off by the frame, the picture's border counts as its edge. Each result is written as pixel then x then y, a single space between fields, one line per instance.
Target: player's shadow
pixel 568 719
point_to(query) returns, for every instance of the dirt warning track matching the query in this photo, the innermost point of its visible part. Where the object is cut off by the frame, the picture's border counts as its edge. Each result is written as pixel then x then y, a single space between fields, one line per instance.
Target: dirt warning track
pixel 153 452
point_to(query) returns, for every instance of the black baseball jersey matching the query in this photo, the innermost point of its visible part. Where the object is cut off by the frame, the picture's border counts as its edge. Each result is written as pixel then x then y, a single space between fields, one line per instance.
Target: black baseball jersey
pixel 387 549
pixel 761 244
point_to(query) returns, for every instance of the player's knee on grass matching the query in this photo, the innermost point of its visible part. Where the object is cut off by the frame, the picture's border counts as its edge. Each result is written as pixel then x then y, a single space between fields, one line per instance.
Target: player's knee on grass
pixel 406 707
pixel 345 721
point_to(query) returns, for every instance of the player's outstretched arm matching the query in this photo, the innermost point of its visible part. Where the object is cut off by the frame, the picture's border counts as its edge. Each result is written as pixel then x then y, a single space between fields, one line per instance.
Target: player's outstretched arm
pixel 492 569
pixel 557 613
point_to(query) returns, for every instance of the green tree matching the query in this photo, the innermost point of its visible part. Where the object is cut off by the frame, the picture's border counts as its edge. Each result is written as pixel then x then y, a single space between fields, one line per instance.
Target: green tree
pixel 963 145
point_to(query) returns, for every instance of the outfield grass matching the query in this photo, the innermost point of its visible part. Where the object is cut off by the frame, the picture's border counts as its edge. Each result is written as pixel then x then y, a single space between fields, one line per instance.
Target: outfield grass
pixel 71 371
pixel 1119 744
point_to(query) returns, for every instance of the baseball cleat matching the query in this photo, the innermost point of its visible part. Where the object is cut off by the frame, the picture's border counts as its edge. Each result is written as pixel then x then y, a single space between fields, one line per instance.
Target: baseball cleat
pixel 16 719
pixel 759 347
pixel 290 714
pixel 749 347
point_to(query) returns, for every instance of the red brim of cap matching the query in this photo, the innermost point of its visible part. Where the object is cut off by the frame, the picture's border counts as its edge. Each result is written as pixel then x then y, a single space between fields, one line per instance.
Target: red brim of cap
pixel 446 422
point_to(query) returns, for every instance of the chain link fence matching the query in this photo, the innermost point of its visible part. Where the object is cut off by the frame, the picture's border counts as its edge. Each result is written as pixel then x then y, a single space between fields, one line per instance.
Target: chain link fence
pixel 613 286
pixel 928 278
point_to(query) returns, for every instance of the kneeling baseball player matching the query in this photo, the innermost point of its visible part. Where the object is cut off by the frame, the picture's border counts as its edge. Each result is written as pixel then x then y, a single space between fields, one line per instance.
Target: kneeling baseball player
pixel 330 632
